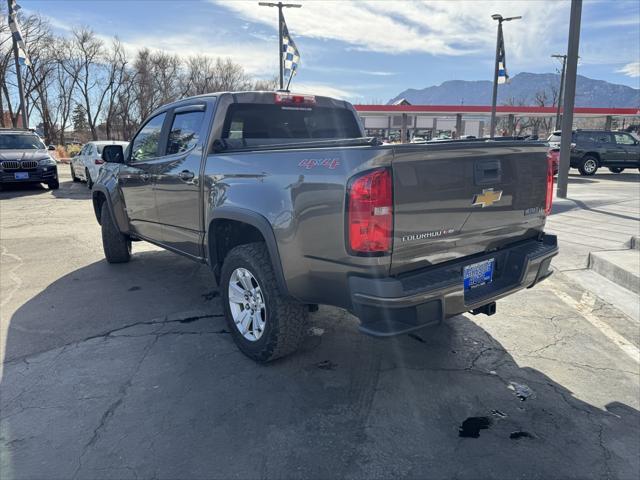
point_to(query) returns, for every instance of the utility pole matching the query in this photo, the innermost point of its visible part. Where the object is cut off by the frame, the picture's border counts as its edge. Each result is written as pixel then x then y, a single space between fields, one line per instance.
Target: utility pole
pixel 499 40
pixel 559 100
pixel 280 6
pixel 23 105
pixel 569 97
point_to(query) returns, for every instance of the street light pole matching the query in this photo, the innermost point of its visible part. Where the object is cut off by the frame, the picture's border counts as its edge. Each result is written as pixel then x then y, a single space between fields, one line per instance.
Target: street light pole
pixel 23 103
pixel 494 98
pixel 280 6
pixel 564 66
pixel 569 97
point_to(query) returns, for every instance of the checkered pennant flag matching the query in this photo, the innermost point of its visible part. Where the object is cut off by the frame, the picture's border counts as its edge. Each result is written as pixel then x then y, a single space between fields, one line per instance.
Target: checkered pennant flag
pixel 290 54
pixel 503 76
pixel 23 58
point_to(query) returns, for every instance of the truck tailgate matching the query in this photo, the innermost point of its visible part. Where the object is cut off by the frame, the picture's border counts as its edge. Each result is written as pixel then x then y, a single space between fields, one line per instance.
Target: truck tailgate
pixel 455 199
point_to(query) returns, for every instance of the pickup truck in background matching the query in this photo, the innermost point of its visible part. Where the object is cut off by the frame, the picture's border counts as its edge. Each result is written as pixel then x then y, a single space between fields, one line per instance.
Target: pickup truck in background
pixel 291 207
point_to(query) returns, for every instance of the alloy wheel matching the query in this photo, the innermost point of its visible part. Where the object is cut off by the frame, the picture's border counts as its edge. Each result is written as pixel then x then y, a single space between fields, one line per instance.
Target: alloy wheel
pixel 247 304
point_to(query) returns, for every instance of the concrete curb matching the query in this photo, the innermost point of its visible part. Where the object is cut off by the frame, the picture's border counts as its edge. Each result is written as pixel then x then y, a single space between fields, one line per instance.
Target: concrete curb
pixel 621 267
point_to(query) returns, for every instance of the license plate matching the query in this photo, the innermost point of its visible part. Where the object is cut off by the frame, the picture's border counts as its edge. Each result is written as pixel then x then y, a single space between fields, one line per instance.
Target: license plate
pixel 478 274
pixel 21 175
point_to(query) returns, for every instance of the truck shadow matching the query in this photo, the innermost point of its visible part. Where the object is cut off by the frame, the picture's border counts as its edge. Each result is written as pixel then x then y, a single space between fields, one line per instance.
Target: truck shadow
pixel 143 380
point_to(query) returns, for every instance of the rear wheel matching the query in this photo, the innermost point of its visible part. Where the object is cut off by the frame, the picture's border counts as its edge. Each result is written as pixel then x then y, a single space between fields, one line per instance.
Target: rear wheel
pixel 88 177
pixel 616 169
pixel 116 246
pixel 588 166
pixel 264 323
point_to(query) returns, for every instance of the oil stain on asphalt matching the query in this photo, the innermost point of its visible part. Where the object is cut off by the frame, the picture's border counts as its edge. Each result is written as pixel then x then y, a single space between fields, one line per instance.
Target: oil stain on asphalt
pixel 471 427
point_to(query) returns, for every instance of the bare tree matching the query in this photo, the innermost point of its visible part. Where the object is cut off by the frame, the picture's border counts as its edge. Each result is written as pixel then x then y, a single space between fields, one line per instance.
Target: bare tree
pixel 90 60
pixel 117 64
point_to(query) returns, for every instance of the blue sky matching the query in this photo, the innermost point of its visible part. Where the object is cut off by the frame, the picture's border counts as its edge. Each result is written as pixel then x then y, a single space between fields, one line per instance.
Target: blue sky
pixel 368 51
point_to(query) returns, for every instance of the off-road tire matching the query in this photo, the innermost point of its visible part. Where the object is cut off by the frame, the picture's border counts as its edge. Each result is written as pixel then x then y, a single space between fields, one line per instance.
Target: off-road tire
pixel 285 319
pixel 88 177
pixel 588 166
pixel 116 246
pixel 53 185
pixel 616 169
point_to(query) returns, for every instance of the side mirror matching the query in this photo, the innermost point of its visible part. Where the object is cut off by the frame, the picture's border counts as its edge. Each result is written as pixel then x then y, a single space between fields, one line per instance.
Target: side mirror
pixel 51 147
pixel 113 154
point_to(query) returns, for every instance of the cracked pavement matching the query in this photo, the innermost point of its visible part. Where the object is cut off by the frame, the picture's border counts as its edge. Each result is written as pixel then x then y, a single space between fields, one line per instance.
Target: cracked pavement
pixel 128 371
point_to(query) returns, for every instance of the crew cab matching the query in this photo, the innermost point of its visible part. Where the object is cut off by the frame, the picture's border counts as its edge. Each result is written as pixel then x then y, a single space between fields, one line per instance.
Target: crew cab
pixel 291 206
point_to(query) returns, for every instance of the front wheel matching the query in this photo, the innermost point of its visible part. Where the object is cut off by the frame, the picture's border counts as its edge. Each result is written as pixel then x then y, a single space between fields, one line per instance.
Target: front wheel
pixel 116 246
pixel 53 185
pixel 264 323
pixel 588 166
pixel 616 169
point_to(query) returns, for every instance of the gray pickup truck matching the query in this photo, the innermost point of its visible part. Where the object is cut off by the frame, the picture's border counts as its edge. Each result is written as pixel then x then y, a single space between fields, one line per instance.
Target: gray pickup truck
pixel 291 207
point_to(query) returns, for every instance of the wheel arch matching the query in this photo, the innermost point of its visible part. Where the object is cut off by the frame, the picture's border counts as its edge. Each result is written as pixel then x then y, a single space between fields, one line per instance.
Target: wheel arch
pixel 229 227
pixel 99 196
pixel 595 155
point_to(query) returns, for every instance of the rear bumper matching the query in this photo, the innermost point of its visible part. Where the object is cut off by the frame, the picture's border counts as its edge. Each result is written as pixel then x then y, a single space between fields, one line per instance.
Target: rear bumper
pixel 395 305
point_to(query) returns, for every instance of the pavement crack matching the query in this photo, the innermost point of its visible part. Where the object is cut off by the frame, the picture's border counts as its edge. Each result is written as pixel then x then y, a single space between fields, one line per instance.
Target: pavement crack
pixel 113 407
pixel 109 333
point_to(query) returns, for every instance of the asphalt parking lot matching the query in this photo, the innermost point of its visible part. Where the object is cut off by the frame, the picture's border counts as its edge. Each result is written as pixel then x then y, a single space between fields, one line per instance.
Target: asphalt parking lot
pixel 128 371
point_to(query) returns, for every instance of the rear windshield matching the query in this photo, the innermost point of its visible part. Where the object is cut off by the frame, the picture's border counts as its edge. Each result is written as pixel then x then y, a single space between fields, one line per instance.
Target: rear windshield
pixel 256 124
pixel 554 137
pixel 20 141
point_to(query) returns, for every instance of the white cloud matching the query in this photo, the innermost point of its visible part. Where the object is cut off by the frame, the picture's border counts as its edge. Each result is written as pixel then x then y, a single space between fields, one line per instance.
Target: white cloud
pixel 631 69
pixel 435 27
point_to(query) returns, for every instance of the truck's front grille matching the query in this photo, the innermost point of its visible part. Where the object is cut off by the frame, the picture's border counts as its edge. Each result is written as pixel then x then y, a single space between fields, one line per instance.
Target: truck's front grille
pixel 15 164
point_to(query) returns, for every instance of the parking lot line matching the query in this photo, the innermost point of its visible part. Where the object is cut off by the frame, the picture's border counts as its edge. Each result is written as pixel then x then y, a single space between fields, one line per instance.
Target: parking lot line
pixel 585 308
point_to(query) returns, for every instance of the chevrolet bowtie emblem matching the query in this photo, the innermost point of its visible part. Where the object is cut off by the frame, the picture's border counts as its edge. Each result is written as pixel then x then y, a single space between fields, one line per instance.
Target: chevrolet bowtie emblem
pixel 487 198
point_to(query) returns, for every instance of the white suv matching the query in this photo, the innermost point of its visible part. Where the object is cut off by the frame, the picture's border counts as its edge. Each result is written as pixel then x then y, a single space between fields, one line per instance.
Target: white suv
pixel 86 165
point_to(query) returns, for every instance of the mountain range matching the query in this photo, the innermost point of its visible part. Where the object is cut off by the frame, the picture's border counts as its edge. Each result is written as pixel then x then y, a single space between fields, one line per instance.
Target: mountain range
pixel 522 90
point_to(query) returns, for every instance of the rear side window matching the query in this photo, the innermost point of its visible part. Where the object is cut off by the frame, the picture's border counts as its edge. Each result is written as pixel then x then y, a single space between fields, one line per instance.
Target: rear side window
pixel 185 132
pixel 262 124
pixel 145 145
pixel 593 137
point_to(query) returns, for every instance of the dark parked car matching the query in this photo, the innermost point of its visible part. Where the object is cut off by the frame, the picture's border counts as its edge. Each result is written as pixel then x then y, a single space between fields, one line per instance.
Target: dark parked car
pixel 25 159
pixel 291 207
pixel 592 149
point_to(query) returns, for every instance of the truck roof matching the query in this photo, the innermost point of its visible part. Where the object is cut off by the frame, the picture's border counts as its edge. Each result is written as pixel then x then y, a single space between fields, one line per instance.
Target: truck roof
pixel 257 96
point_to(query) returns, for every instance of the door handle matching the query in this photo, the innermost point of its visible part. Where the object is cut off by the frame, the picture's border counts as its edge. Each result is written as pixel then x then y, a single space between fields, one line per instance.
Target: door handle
pixel 145 177
pixel 186 175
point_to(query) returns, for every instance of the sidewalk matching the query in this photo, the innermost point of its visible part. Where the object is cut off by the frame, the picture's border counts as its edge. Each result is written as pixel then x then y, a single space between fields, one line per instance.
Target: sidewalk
pixel 595 226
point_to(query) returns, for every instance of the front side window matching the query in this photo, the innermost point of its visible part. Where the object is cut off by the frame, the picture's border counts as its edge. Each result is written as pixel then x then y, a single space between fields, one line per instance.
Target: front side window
pixel 185 132
pixel 20 141
pixel 145 145
pixel 624 139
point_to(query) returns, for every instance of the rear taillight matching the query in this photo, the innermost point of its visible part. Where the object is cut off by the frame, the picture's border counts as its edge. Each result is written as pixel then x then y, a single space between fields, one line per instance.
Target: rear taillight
pixel 289 99
pixel 549 197
pixel 370 213
pixel 98 161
